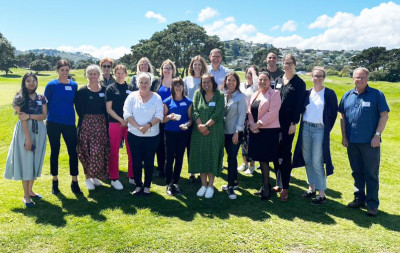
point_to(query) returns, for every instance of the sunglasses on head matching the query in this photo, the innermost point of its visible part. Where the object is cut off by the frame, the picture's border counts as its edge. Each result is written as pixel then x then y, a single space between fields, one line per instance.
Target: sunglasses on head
pixel 106 66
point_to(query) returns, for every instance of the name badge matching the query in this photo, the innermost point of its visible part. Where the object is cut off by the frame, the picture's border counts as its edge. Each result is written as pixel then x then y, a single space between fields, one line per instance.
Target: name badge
pixel 182 104
pixel 68 88
pixel 279 85
pixel 101 95
pixel 211 104
pixel 39 102
pixel 128 91
pixel 366 104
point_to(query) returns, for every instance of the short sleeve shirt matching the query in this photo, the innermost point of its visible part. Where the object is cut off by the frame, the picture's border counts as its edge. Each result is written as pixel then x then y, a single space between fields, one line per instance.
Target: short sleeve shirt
pixel 33 106
pixel 117 93
pixel 178 107
pixel 362 113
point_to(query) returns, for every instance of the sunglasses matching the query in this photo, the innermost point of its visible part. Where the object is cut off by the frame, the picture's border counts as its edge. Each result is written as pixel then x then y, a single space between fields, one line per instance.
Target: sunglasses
pixel 106 66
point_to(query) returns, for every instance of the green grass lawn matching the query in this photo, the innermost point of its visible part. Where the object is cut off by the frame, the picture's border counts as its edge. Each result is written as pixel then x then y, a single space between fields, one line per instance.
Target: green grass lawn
pixel 106 220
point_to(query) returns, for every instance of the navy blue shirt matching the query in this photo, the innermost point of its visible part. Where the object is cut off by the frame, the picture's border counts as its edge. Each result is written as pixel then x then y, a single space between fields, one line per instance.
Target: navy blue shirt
pixel 178 107
pixel 362 113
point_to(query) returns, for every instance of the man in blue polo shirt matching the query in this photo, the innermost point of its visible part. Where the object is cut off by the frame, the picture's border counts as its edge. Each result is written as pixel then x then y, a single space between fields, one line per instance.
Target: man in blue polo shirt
pixel 216 69
pixel 364 113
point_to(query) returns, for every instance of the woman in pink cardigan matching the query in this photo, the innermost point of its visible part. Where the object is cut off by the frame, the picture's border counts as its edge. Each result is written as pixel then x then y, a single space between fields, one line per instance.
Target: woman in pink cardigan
pixel 263 114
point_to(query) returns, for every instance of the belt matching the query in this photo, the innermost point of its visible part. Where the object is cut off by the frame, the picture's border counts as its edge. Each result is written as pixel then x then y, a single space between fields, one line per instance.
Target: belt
pixel 313 124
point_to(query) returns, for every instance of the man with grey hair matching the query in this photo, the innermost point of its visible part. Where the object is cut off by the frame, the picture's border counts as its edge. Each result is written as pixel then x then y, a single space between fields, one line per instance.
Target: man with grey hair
pixel 216 69
pixel 364 113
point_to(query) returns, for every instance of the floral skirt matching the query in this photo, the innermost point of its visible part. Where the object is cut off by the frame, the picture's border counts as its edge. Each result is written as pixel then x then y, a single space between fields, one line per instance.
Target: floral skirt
pixel 93 146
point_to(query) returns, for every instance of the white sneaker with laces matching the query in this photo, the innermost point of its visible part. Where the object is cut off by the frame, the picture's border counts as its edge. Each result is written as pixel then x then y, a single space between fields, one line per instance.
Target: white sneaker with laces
pixel 242 167
pixel 132 181
pixel 201 191
pixel 225 187
pixel 89 184
pixel 209 192
pixel 250 170
pixel 117 184
pixel 96 182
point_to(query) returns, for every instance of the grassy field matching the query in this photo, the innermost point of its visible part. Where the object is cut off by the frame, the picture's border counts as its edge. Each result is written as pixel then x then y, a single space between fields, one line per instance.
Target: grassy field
pixel 106 220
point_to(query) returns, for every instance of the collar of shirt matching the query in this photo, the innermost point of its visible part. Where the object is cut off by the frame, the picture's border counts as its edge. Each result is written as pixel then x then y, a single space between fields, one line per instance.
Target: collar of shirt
pixel 367 90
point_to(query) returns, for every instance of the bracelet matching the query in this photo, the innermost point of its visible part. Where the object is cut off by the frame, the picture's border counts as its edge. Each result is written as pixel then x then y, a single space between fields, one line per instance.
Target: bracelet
pixel 150 124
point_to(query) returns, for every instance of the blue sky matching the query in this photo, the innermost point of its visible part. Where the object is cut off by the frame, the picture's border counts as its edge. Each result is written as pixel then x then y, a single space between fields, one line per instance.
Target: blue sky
pixel 110 28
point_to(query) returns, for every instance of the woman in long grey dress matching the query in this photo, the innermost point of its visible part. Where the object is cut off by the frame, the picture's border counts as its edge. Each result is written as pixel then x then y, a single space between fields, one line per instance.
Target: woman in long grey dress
pixel 28 145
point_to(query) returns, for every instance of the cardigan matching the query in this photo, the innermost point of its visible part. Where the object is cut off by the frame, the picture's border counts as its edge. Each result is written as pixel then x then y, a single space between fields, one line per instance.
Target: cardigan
pixel 329 118
pixel 268 110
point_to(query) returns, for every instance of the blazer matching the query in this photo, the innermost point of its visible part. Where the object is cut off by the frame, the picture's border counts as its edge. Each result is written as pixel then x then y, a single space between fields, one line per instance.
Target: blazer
pixel 268 110
pixel 329 118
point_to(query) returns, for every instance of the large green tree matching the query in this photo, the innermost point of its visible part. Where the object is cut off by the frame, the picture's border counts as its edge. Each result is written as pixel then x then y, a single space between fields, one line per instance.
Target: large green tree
pixel 7 54
pixel 39 65
pixel 179 42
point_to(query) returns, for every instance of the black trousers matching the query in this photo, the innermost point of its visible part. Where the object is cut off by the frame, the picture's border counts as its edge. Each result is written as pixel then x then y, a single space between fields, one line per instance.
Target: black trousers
pixel 161 149
pixel 69 133
pixel 285 154
pixel 143 150
pixel 176 144
pixel 232 152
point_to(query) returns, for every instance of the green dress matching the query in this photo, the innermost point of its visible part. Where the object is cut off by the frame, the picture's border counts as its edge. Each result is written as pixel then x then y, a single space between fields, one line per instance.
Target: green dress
pixel 206 152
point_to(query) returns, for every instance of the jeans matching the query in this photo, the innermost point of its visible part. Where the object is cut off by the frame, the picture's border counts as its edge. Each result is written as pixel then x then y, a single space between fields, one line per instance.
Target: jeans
pixel 69 133
pixel 232 152
pixel 364 161
pixel 176 143
pixel 313 136
pixel 117 133
pixel 143 150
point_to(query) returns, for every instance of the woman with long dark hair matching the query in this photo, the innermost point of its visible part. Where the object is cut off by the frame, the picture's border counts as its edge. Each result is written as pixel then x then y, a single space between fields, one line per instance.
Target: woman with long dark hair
pixel 28 146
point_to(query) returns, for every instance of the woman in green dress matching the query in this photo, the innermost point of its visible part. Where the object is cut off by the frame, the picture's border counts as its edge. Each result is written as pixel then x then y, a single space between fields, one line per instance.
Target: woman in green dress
pixel 207 143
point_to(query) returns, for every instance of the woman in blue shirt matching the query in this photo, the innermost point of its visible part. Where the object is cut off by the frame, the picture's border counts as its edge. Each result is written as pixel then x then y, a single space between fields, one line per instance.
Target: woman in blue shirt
pixel 60 94
pixel 177 119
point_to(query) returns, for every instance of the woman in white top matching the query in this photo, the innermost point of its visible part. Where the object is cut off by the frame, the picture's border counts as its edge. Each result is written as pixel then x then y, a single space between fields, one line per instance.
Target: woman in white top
pixel 197 68
pixel 248 88
pixel 143 110
pixel 312 148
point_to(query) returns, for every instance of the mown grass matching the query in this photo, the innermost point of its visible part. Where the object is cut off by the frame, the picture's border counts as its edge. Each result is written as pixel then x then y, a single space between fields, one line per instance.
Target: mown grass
pixel 106 220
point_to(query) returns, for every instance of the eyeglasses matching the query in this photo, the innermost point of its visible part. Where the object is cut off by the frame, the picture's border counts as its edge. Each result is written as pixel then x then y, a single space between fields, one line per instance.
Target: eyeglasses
pixel 167 68
pixel 360 77
pixel 288 63
pixel 106 66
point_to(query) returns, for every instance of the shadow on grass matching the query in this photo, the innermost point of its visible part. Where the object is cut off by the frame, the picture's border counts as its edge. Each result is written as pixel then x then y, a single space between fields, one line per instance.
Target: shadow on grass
pixel 187 206
pixel 11 76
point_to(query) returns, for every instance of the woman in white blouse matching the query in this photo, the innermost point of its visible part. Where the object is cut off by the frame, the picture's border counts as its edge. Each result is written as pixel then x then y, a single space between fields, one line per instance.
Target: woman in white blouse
pixel 143 110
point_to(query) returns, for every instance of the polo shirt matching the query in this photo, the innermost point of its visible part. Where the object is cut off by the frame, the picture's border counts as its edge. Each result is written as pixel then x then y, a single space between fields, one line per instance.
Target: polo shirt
pixel 362 113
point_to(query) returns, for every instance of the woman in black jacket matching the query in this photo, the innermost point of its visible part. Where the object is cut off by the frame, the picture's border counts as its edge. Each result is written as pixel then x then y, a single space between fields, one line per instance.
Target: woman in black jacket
pixel 292 89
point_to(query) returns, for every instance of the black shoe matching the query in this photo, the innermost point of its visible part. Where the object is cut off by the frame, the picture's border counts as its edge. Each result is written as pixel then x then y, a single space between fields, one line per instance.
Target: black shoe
pixel 318 200
pixel 265 192
pixel 55 189
pixel 308 194
pixel 168 190
pixel 192 179
pixel 176 190
pixel 75 188
pixel 356 203
pixel 372 212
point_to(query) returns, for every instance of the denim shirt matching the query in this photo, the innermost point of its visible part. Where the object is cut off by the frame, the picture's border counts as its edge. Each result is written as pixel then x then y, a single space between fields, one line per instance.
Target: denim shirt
pixel 235 112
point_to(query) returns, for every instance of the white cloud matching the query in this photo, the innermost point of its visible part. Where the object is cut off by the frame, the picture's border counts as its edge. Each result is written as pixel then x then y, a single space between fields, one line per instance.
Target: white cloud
pixel 275 28
pixel 105 51
pixel 159 17
pixel 207 13
pixel 289 26
pixel 377 26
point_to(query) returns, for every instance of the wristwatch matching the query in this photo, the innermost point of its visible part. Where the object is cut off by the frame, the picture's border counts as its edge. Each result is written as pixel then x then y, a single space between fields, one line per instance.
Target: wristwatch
pixel 378 133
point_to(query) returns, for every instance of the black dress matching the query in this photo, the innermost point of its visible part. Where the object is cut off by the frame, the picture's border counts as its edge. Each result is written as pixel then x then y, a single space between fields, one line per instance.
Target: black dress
pixel 263 146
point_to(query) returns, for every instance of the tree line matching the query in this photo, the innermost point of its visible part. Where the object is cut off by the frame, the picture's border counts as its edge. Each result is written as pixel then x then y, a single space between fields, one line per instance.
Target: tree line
pixel 182 40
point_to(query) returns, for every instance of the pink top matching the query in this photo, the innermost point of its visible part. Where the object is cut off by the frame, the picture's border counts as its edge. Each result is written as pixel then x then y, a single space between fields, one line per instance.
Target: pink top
pixel 268 110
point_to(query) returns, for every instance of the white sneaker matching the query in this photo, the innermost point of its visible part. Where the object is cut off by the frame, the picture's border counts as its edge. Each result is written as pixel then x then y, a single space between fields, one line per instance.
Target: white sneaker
pixel 132 181
pixel 242 167
pixel 250 170
pixel 89 184
pixel 201 191
pixel 96 182
pixel 209 192
pixel 225 187
pixel 117 184
pixel 231 193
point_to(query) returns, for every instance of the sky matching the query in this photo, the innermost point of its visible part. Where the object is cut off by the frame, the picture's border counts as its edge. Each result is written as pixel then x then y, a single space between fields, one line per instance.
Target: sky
pixel 110 28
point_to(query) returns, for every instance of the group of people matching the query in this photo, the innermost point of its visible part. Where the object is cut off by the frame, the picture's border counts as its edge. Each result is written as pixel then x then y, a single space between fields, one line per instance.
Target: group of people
pixel 208 111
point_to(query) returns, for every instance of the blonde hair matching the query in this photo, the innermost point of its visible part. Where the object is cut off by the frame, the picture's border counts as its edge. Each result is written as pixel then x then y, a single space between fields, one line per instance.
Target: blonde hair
pixel 168 61
pixel 316 68
pixel 144 59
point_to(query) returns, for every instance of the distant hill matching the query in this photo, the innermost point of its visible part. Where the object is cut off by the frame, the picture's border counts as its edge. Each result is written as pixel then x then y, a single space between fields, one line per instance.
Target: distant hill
pixel 75 57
